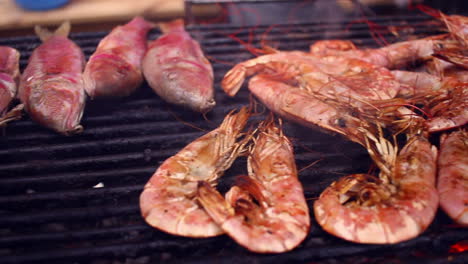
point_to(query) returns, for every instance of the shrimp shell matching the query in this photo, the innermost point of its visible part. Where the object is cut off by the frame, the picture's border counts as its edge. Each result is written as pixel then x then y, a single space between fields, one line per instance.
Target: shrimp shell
pixel 393 56
pixel 168 201
pixel 397 207
pixel 453 176
pixel 267 211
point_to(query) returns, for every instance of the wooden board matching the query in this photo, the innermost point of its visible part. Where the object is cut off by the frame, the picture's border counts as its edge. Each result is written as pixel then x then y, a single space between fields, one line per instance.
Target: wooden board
pixel 90 11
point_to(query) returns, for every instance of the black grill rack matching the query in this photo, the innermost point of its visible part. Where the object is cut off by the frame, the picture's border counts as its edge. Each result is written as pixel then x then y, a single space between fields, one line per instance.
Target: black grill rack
pixel 52 211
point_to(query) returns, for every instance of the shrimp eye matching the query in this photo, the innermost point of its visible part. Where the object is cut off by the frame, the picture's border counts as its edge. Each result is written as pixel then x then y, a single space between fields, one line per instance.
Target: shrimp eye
pixel 341 122
pixel 366 195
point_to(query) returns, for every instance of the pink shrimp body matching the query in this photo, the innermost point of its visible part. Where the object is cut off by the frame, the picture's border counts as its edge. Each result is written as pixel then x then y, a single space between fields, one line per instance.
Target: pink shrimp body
pixel 265 212
pixel 453 176
pixel 177 70
pixel 397 206
pixel 168 201
pixel 9 74
pixel 51 86
pixel 314 91
pixel 393 56
pixel 115 67
pixel 339 77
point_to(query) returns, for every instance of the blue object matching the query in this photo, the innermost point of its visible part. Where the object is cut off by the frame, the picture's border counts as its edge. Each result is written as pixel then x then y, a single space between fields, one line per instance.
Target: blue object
pixel 40 5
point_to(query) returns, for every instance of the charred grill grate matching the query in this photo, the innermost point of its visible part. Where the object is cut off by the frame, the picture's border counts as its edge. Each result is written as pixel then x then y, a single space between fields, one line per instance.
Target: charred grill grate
pixel 50 212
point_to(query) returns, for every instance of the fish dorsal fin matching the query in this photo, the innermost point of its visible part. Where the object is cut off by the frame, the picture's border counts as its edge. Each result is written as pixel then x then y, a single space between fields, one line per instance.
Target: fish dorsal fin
pixel 174 25
pixel 45 34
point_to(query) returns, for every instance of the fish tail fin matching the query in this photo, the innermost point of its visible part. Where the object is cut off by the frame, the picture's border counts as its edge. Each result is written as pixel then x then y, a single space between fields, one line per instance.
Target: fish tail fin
pixel 45 34
pixel 174 25
pixel 139 22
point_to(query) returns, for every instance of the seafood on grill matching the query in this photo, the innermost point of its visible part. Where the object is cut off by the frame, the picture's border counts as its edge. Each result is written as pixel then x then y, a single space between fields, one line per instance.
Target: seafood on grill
pixel 51 87
pixel 9 77
pixel 177 70
pixel 169 199
pixel 452 182
pixel 396 206
pixel 451 48
pixel 114 69
pixel 393 56
pixel 331 92
pixel 266 211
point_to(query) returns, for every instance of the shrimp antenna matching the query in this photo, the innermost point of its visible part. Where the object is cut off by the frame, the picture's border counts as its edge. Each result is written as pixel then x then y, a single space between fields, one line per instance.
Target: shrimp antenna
pixel 185 122
pixel 309 165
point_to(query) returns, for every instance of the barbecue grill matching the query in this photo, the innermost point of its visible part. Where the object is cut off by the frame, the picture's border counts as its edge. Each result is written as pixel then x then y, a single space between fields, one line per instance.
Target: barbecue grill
pixel 75 199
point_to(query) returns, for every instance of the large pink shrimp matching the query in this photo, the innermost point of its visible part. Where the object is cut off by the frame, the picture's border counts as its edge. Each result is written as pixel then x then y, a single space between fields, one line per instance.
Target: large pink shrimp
pixel 266 212
pixel 324 91
pixel 168 201
pixel 177 70
pixel 453 176
pixel 393 56
pixel 9 76
pixel 404 53
pixel 51 87
pixel 115 67
pixel 396 206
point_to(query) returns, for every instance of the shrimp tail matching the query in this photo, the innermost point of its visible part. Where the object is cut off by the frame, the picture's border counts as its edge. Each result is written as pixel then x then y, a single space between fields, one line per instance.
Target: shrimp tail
pixel 213 202
pixel 45 34
pixel 251 186
pixel 13 114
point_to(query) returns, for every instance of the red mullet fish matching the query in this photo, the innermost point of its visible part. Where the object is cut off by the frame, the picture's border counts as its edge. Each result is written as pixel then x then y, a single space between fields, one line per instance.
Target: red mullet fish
pixel 115 67
pixel 51 87
pixel 9 76
pixel 177 70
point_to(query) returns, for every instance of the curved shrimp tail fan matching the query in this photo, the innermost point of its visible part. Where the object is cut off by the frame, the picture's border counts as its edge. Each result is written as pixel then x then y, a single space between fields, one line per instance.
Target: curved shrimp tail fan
pixel 45 34
pixel 13 114
pixel 251 186
pixel 174 25
pixel 213 202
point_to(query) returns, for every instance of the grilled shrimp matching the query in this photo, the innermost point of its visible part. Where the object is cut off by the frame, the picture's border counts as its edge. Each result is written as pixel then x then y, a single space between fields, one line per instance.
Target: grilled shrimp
pixel 334 76
pixel 452 181
pixel 327 92
pixel 303 107
pixel 168 201
pixel 396 206
pixel 393 56
pixel 265 212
